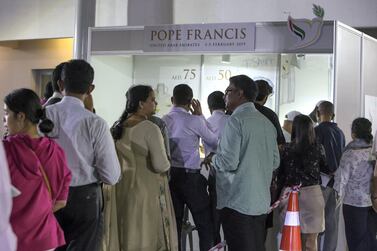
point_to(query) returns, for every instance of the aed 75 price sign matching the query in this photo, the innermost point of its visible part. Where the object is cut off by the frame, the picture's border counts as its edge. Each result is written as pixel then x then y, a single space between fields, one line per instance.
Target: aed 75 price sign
pixel 187 74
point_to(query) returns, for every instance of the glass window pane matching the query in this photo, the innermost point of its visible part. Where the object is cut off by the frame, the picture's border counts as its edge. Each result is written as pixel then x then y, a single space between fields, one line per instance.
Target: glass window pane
pixel 217 69
pixel 305 79
pixel 165 72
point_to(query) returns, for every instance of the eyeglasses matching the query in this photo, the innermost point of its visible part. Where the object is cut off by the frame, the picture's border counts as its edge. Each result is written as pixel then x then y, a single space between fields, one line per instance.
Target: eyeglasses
pixel 229 90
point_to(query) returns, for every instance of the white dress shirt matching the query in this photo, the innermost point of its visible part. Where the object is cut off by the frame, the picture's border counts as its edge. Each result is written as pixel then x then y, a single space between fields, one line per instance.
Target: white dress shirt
pixel 87 142
pixel 217 123
pixel 8 240
pixel 185 130
pixel 56 95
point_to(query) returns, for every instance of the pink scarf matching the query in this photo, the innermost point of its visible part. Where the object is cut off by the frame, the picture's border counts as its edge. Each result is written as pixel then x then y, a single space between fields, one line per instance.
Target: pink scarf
pixel 32 218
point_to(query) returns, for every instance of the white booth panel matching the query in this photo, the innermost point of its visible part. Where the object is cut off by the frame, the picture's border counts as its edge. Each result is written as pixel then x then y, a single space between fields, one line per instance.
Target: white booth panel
pixel 369 80
pixel 112 78
pixel 347 77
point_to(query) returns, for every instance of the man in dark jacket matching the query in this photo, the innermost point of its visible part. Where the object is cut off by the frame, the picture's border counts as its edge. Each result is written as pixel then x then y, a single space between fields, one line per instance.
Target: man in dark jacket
pixel 56 78
pixel 332 138
pixel 264 91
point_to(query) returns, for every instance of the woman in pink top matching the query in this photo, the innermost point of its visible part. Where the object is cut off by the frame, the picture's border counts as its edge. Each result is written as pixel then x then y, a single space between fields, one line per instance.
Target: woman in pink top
pixel 38 169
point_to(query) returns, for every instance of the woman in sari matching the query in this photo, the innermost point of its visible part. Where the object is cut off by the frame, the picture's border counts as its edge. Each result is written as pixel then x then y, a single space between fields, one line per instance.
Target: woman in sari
pixel 38 169
pixel 145 213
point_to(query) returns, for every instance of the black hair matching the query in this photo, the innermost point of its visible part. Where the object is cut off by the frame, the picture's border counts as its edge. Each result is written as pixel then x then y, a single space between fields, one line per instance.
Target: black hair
pixel 247 85
pixel 48 90
pixel 134 95
pixel 303 135
pixel 182 94
pixel 216 101
pixel 326 108
pixel 362 129
pixel 264 89
pixel 27 101
pixel 56 76
pixel 77 75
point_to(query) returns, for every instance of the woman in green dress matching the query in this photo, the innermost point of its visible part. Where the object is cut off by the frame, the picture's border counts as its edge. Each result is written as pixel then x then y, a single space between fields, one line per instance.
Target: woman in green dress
pixel 145 214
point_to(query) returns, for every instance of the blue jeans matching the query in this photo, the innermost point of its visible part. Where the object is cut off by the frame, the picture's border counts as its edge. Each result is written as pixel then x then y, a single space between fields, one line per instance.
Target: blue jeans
pixel 332 210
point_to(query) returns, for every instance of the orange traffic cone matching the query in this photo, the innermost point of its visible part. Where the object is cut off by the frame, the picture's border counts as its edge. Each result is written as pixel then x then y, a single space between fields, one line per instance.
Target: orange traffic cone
pixel 291 234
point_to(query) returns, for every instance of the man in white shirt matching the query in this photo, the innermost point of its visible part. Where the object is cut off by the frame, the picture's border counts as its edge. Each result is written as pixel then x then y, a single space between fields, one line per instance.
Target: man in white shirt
pixel 287 126
pixel 218 118
pixel 216 121
pixel 91 156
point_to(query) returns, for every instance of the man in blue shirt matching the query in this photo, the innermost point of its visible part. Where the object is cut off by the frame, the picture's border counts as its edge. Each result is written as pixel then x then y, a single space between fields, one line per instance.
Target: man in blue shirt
pixel 187 185
pixel 245 159
pixel 332 138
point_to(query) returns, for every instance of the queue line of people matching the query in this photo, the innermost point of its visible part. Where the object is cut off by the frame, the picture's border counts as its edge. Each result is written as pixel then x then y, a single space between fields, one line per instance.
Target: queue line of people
pixel 157 176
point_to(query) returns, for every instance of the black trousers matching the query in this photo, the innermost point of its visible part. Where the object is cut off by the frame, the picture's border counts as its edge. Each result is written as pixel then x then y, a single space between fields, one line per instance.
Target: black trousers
pixel 358 223
pixel 82 219
pixel 243 232
pixel 214 211
pixel 372 228
pixel 191 189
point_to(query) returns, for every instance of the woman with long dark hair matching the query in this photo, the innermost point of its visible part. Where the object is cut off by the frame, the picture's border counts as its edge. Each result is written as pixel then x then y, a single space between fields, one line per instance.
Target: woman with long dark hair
pixel 145 213
pixel 353 183
pixel 38 169
pixel 300 166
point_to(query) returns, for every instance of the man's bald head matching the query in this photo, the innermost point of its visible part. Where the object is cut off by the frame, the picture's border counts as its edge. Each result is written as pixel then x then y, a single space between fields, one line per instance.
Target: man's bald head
pixel 326 111
pixel 326 108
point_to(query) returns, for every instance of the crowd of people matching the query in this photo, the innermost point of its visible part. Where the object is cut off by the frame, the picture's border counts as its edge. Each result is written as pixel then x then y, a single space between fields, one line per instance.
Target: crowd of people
pixel 69 182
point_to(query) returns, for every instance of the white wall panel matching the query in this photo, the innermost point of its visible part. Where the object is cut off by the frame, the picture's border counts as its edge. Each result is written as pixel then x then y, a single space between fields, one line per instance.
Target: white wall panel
pixel 355 13
pixel 347 78
pixel 36 19
pixel 369 80
pixel 111 13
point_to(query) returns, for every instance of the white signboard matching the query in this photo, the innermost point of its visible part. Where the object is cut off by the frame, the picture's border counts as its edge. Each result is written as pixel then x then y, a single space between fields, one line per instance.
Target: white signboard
pixel 237 37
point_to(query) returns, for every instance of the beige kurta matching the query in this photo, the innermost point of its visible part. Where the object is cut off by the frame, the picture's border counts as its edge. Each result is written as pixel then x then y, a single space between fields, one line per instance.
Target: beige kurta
pixel 145 214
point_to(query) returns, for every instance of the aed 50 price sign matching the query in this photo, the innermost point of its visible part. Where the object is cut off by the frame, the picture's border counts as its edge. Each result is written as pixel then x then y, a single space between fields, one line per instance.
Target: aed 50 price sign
pixel 219 75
